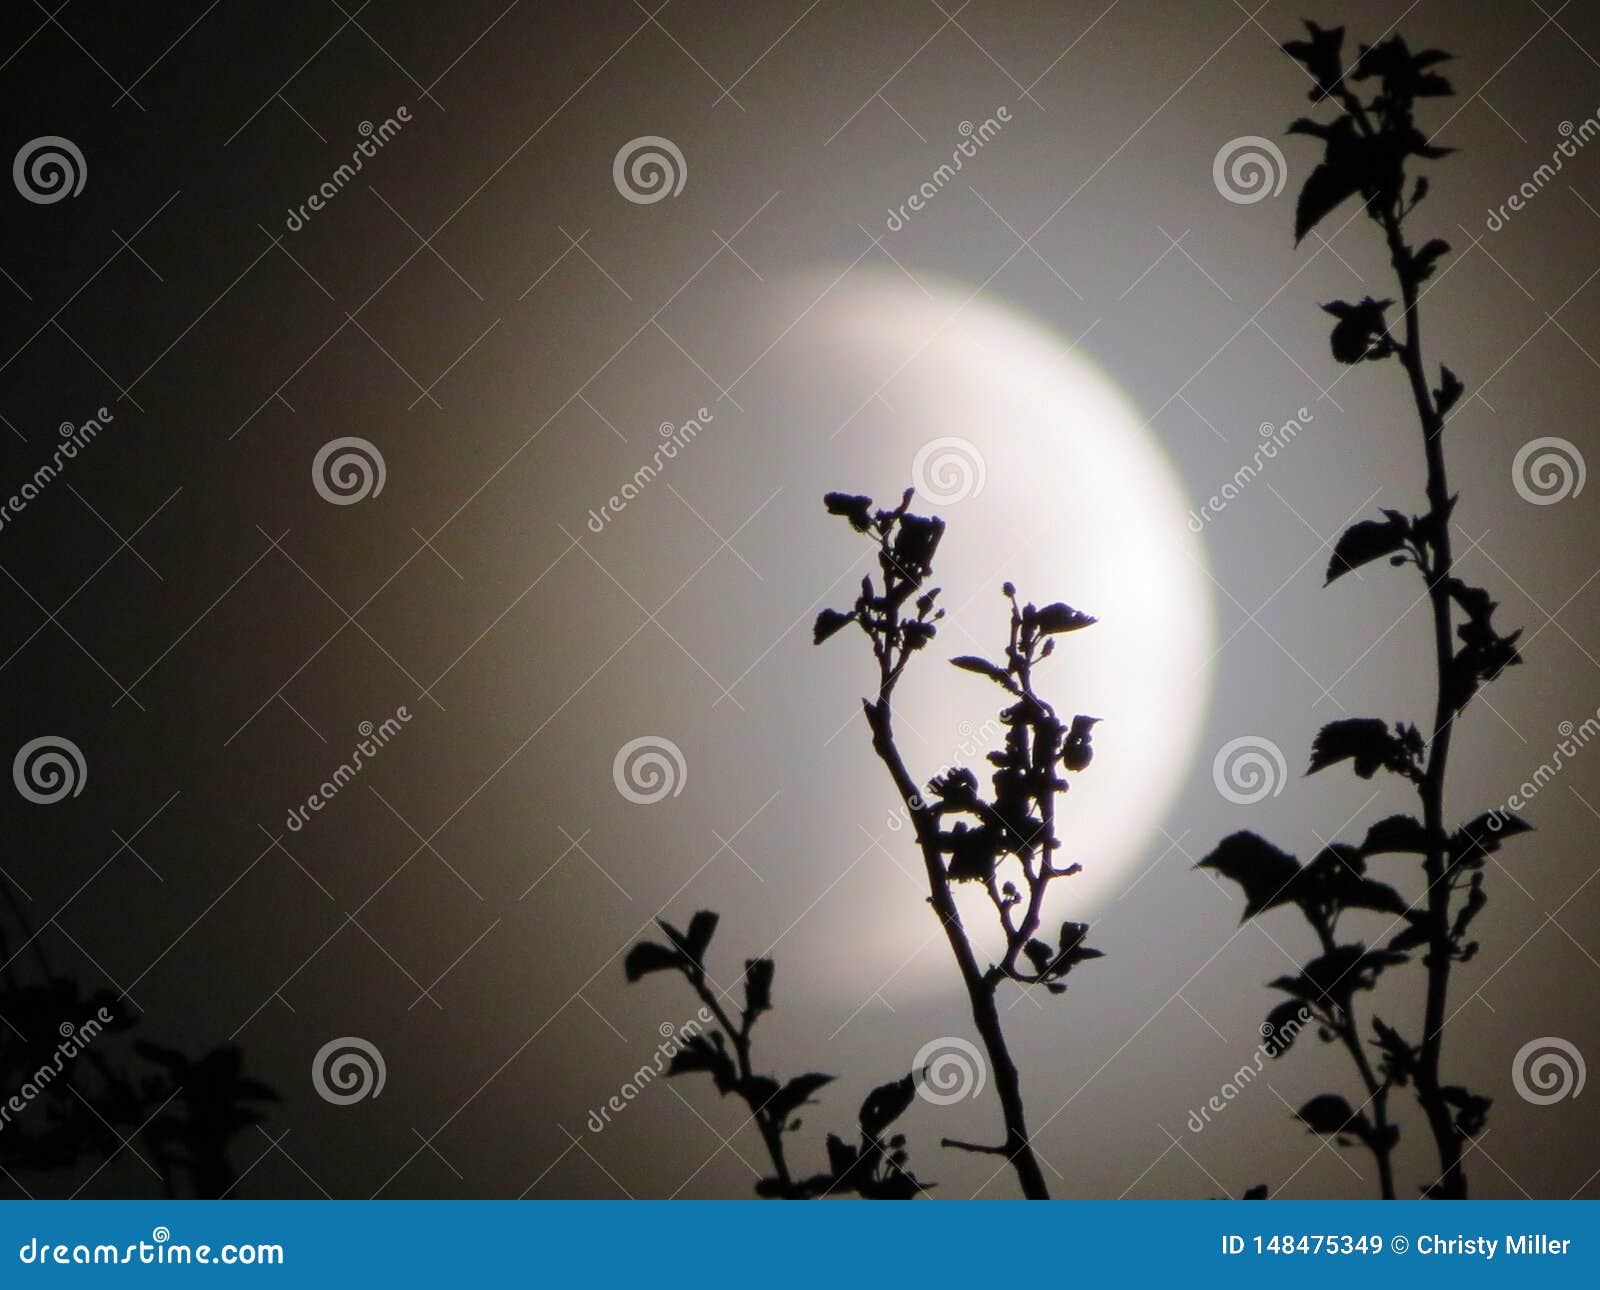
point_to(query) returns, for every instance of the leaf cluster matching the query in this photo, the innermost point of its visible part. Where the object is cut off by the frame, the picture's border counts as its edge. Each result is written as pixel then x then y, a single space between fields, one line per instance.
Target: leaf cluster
pixel 872 1166
pixel 96 1095
pixel 976 834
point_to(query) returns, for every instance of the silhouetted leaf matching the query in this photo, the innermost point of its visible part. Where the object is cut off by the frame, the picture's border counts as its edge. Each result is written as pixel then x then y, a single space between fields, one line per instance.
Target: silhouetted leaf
pixel 1335 880
pixel 1364 740
pixel 973 852
pixel 856 509
pixel 1411 937
pixel 1320 56
pixel 1338 974
pixel 1483 835
pixel 982 666
pixel 758 985
pixel 1398 1056
pixel 1423 261
pixel 841 1156
pixel 1450 390
pixel 1472 1109
pixel 793 1095
pixel 757 1091
pixel 915 541
pixel 1325 188
pixel 885 1104
pixel 1330 1114
pixel 1404 77
pixel 647 957
pixel 1057 618
pixel 1470 909
pixel 1264 873
pixel 1365 541
pixel 697 938
pixel 1072 948
pixel 701 1054
pixel 1283 1025
pixel 1367 893
pixel 1361 331
pixel 1396 833
pixel 829 621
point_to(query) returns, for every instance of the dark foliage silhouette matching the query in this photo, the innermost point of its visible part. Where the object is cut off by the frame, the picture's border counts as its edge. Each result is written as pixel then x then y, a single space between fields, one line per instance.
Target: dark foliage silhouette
pixel 873 1166
pixel 1368 146
pixel 1005 843
pixel 83 1095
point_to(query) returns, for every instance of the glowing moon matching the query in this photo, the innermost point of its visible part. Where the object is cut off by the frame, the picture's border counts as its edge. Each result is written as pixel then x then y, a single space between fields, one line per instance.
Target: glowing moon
pixel 1047 477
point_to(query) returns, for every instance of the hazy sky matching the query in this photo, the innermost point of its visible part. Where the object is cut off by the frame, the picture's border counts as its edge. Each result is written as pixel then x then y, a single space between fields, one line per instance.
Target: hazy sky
pixel 483 306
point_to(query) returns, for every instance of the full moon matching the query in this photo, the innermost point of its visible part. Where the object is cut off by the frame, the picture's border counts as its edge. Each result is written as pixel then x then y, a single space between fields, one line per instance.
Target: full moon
pixel 1047 477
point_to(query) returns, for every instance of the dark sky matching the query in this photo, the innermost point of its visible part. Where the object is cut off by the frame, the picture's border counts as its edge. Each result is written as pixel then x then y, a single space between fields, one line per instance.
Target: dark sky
pixel 482 305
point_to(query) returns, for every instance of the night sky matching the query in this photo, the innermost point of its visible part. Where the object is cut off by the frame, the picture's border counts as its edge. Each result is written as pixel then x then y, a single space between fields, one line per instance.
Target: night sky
pixel 196 601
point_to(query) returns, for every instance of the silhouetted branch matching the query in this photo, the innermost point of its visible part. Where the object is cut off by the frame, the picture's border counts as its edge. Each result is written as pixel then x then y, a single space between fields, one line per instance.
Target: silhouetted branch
pixel 1012 833
pixel 977 1147
pixel 83 1098
pixel 873 1168
pixel 1366 150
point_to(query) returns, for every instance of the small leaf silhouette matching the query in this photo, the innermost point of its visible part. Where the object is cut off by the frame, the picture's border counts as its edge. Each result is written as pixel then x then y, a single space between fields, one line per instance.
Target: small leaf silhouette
pixel 1364 740
pixel 1366 541
pixel 1368 893
pixel 1338 974
pixel 1320 55
pixel 885 1104
pixel 647 957
pixel 1264 873
pixel 1058 617
pixel 1449 391
pixel 1361 331
pixel 856 509
pixel 1411 937
pixel 1396 833
pixel 1325 188
pixel 1483 835
pixel 1423 261
pixel 793 1095
pixel 1282 1026
pixel 915 542
pixel 1329 1114
pixel 829 621
pixel 701 1054
pixel 758 985
pixel 693 943
pixel 983 667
